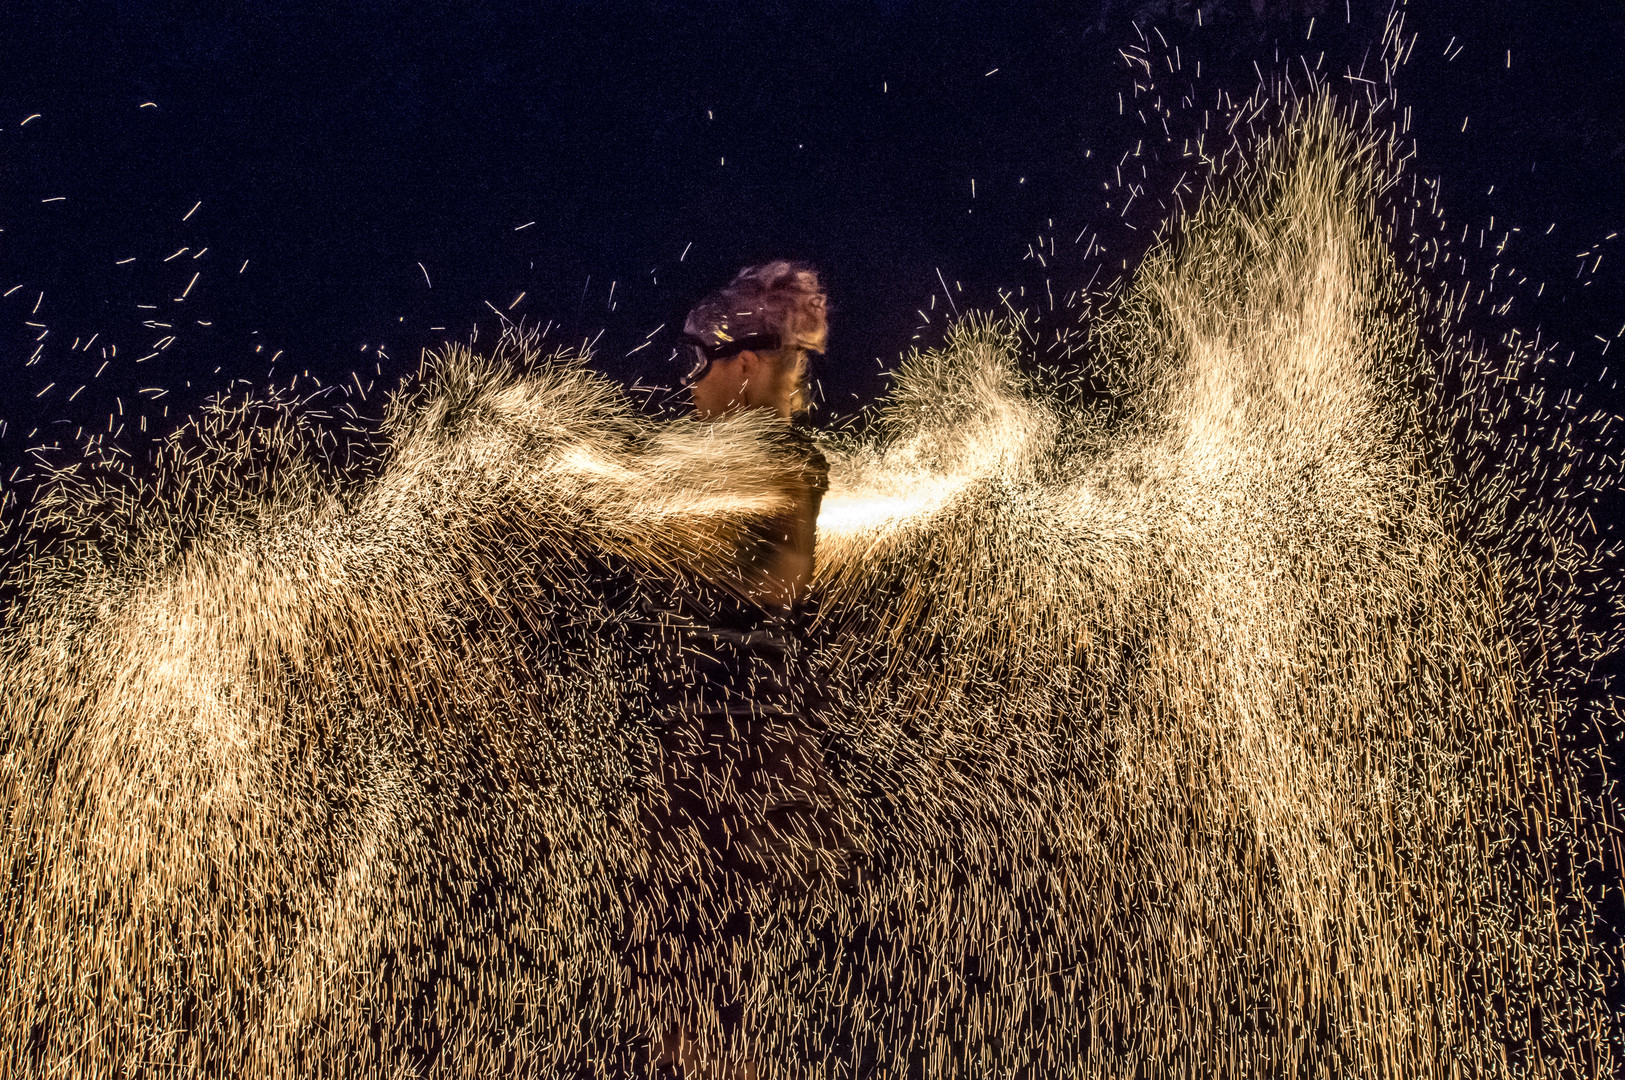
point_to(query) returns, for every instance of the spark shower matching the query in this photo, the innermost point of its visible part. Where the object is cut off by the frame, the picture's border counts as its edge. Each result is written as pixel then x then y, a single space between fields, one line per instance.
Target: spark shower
pixel 1199 704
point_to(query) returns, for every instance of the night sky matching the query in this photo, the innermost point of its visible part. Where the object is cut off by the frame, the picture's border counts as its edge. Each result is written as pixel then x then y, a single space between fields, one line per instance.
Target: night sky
pixel 390 173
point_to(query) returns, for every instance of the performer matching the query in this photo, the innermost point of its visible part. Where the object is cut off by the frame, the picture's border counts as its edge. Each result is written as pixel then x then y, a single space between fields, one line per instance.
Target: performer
pixel 741 761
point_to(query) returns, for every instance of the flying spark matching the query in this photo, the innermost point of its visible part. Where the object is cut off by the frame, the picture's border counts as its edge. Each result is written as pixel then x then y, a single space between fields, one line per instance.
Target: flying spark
pixel 1197 716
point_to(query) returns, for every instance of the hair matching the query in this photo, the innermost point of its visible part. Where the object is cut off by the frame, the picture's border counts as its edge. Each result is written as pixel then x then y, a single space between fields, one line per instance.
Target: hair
pixel 780 297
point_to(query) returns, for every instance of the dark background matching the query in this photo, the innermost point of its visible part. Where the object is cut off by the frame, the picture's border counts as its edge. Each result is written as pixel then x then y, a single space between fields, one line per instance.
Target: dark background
pixel 336 145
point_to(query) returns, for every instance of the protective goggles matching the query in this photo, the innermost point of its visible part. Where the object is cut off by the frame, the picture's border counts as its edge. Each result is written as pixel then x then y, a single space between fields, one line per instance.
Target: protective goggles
pixel 699 356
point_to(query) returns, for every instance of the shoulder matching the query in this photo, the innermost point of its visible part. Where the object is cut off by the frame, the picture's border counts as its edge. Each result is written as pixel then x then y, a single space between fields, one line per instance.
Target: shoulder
pixel 800 438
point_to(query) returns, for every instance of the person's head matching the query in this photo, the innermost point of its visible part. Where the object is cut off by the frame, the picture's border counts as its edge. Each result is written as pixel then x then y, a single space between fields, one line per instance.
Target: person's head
pixel 746 345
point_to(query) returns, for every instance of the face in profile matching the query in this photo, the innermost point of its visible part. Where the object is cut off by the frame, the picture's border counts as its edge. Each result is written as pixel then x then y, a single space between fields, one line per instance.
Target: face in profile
pixel 755 380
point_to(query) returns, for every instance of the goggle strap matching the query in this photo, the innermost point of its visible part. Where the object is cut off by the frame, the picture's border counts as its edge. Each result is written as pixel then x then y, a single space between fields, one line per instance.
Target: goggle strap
pixel 705 355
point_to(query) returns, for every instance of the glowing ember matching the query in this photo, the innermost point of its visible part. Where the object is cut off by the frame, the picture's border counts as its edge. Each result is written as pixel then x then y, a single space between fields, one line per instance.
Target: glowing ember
pixel 1197 729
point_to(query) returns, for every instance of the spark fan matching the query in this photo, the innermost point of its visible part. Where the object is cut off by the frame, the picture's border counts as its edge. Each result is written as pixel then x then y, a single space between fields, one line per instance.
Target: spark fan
pixel 1193 726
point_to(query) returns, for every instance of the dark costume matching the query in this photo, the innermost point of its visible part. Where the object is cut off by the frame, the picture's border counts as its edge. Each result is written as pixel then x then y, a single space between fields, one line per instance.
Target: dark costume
pixel 740 776
pixel 740 756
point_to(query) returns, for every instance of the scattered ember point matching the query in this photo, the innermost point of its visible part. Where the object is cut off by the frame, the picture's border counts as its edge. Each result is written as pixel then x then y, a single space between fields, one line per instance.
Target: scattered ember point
pixel 1199 722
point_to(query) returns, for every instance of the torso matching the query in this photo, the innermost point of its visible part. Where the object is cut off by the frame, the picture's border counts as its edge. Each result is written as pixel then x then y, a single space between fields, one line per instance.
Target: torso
pixel 783 559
